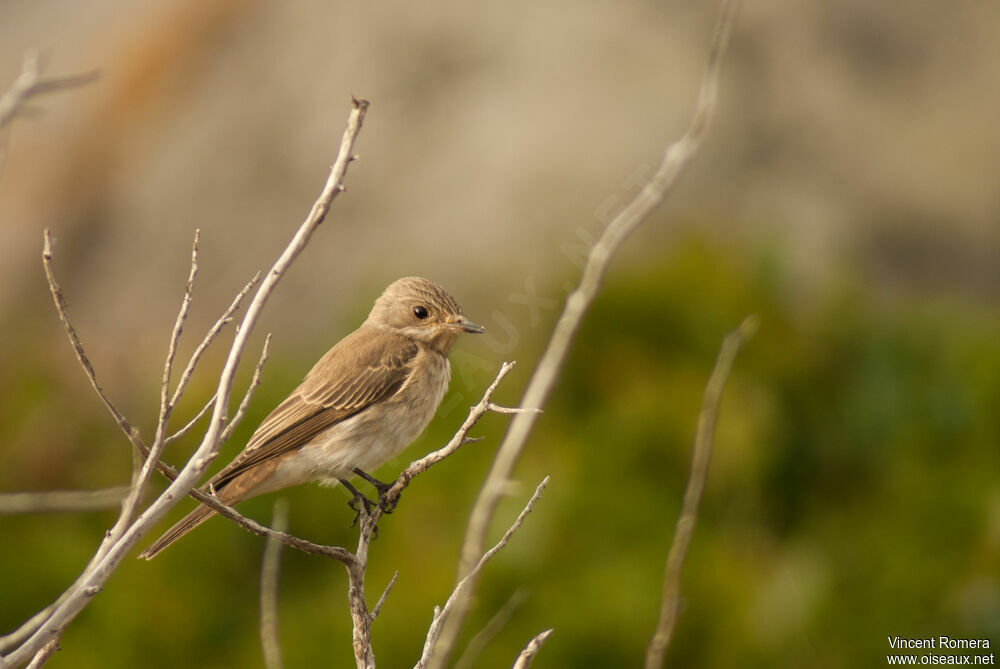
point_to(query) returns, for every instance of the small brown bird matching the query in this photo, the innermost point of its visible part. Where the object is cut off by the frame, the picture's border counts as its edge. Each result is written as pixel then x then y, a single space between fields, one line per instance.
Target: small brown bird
pixel 361 404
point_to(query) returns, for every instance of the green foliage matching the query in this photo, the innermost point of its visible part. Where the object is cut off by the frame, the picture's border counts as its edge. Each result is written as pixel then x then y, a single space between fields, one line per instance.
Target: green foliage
pixel 853 496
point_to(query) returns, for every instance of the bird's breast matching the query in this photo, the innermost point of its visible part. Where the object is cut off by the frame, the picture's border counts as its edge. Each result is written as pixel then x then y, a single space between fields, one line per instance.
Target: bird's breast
pixel 383 430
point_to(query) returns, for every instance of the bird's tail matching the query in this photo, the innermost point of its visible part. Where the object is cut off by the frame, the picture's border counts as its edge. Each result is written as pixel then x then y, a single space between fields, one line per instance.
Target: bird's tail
pixel 182 527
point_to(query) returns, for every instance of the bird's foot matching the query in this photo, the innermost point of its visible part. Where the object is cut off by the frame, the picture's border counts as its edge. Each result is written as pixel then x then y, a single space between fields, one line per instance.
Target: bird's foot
pixel 385 502
pixel 359 503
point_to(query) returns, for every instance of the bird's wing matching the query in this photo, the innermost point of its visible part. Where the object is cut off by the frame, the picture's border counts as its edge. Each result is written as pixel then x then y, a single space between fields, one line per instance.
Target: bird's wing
pixel 362 369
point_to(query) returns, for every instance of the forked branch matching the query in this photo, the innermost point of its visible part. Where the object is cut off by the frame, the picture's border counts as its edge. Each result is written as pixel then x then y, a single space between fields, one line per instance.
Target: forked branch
pixel 114 549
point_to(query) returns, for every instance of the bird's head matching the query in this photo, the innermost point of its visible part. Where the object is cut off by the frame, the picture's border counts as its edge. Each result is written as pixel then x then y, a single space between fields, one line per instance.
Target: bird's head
pixel 423 310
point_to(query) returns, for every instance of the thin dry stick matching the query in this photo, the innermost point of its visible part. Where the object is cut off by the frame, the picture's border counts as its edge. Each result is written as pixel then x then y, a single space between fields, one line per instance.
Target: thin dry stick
pixel 527 655
pixel 166 407
pixel 336 552
pixel 166 404
pixel 210 336
pixel 241 410
pixel 191 423
pixel 57 297
pixel 270 639
pixel 61 501
pixel 700 458
pixel 441 617
pixel 678 155
pixel 460 438
pixel 482 638
pixel 385 594
pixel 30 83
pixel 42 656
pixel 28 628
pixel 99 572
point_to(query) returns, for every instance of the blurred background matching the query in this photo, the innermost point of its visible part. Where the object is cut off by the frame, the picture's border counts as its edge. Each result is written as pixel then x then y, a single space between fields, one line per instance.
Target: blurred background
pixel 847 194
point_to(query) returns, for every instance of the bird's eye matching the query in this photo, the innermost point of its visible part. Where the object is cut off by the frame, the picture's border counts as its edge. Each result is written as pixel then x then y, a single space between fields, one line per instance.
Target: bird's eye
pixel 420 312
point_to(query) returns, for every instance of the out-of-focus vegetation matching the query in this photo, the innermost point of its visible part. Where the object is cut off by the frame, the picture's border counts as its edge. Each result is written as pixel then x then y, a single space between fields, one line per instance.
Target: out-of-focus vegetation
pixel 853 494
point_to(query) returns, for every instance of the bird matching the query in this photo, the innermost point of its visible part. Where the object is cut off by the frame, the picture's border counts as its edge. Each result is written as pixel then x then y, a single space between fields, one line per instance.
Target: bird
pixel 361 404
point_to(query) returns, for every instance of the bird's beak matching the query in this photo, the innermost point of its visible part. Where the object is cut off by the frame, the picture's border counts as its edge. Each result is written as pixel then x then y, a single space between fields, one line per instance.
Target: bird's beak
pixel 465 325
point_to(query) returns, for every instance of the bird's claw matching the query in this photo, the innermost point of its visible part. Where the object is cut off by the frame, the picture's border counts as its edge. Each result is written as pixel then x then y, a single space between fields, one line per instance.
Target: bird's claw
pixel 359 502
pixel 363 501
pixel 386 502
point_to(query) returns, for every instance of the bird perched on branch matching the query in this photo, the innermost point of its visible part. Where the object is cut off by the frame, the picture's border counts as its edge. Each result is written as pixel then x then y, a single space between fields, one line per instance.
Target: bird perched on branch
pixel 361 404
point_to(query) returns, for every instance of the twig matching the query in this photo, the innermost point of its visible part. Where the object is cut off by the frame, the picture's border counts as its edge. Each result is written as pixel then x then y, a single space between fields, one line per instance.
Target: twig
pixel 482 638
pixel 270 639
pixel 27 628
pixel 441 617
pixel 108 560
pixel 57 297
pixel 677 156
pixel 167 402
pixel 43 654
pixel 460 438
pixel 191 423
pixel 61 501
pixel 252 526
pixel 30 83
pixel 527 655
pixel 145 469
pixel 210 336
pixel 700 459
pixel 245 402
pixel 336 552
pixel 185 377
pixel 385 595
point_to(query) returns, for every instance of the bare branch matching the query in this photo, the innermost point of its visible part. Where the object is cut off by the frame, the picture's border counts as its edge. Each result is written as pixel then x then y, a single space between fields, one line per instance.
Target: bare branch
pixel 361 619
pixel 336 552
pixel 191 423
pixel 245 402
pixel 528 654
pixel 213 332
pixel 30 84
pixel 270 639
pixel 57 297
pixel 460 438
pixel 700 459
pixel 142 472
pixel 166 405
pixel 43 654
pixel 458 593
pixel 61 501
pixel 490 630
pixel 342 555
pixel 28 628
pixel 185 377
pixel 496 408
pixel 385 594
pixel 110 557
pixel 677 156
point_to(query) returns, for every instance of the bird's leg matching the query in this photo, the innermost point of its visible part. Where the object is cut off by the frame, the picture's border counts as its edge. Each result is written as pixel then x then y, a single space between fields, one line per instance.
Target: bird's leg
pixel 387 505
pixel 358 498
